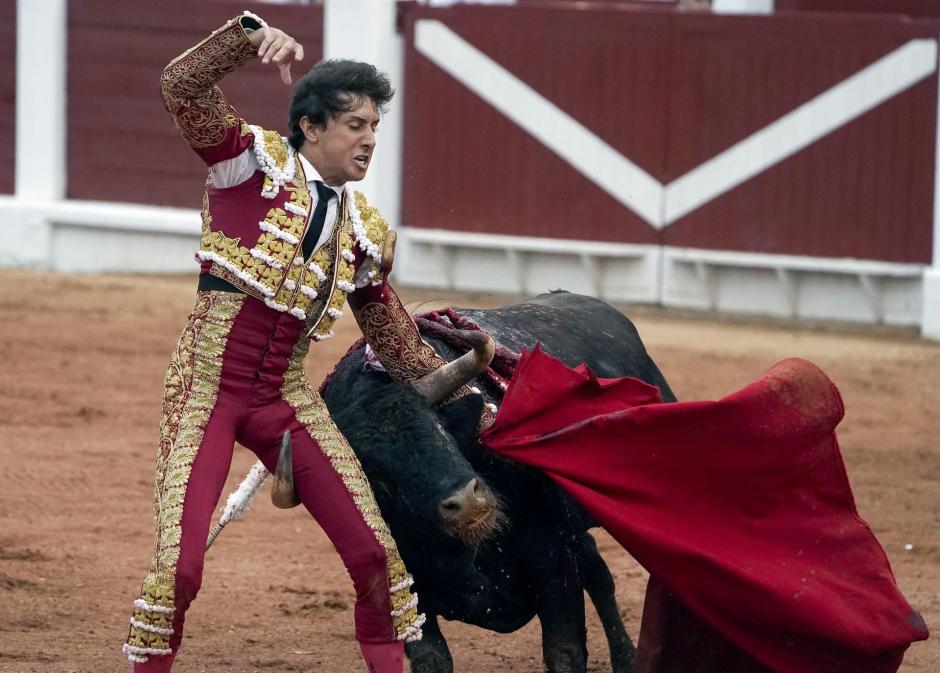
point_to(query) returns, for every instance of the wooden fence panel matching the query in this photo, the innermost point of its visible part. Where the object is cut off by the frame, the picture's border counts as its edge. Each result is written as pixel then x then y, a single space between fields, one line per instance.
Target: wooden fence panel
pixel 7 96
pixel 863 191
pixel 122 144
pixel 670 92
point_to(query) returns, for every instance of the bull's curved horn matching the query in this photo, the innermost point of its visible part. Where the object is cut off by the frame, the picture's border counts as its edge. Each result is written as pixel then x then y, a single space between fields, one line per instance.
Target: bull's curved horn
pixel 440 384
pixel 283 493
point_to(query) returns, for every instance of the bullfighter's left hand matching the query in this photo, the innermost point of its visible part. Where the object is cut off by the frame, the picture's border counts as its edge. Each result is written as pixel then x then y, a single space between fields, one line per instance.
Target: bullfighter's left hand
pixel 277 46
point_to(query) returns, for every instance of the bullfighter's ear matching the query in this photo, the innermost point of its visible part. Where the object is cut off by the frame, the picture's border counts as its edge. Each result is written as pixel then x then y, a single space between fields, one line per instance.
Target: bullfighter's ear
pixel 462 418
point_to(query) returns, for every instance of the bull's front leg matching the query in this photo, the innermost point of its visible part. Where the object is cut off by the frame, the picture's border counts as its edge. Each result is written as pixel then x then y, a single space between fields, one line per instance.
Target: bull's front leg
pixel 600 587
pixel 553 562
pixel 430 654
pixel 560 606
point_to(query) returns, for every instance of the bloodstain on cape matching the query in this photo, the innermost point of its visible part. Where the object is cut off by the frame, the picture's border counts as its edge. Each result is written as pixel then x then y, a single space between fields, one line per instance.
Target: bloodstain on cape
pixel 739 508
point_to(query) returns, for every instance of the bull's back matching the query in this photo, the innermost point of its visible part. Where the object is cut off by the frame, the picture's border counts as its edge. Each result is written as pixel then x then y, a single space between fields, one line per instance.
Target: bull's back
pixel 574 329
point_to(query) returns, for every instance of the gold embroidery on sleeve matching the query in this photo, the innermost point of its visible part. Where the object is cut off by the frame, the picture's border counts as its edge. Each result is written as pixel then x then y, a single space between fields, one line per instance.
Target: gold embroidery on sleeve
pixel 395 340
pixel 187 85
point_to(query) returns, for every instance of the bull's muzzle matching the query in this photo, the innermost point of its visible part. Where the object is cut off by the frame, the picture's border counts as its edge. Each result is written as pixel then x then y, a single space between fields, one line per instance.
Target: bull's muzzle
pixel 283 493
pixel 471 513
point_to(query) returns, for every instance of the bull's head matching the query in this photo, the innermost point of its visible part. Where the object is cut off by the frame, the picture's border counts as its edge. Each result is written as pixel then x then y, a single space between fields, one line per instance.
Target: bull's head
pixel 413 443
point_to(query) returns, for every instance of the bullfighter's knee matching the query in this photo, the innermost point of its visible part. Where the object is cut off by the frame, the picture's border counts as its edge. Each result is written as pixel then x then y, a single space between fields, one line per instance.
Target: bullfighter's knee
pixel 188 582
pixel 366 567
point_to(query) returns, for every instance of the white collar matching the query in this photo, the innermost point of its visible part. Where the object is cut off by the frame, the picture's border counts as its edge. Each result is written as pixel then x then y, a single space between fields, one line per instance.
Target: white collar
pixel 312 175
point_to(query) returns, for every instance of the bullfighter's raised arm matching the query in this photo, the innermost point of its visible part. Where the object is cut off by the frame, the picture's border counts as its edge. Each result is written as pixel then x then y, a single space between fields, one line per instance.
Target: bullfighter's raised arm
pixel 190 91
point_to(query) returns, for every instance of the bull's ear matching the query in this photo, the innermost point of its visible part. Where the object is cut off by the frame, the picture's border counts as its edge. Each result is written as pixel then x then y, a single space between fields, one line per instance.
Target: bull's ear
pixel 462 418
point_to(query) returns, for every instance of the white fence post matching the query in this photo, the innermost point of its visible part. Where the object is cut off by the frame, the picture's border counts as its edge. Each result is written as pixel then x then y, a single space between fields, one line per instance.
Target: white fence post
pixel 364 30
pixel 743 6
pixel 41 46
pixel 930 317
pixel 40 171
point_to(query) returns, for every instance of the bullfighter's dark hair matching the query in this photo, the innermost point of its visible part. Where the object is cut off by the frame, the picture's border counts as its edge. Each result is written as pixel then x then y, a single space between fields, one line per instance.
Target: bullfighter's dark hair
pixel 332 87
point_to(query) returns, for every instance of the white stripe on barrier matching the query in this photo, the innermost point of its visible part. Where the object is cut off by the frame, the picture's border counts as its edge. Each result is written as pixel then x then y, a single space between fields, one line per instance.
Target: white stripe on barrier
pixel 661 205
pixel 546 122
pixel 835 107
pixel 935 259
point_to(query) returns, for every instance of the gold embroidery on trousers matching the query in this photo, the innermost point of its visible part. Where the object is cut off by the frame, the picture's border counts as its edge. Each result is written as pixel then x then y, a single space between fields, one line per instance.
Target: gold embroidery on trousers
pixel 310 410
pixel 190 392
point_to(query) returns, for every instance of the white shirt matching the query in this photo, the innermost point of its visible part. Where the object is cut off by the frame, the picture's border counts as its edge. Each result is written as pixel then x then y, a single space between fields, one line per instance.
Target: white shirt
pixel 235 171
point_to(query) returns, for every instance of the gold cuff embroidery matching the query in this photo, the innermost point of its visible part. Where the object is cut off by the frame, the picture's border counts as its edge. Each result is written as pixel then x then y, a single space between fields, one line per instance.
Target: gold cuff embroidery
pixel 395 340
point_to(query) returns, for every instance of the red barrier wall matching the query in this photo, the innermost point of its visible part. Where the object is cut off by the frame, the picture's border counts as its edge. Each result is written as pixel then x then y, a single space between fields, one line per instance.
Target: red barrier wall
pixel 7 96
pixel 467 167
pixel 670 90
pixel 122 144
pixel 917 8
pixel 864 191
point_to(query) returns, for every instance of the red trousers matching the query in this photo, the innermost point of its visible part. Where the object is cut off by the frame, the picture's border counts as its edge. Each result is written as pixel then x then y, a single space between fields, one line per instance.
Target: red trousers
pixel 237 375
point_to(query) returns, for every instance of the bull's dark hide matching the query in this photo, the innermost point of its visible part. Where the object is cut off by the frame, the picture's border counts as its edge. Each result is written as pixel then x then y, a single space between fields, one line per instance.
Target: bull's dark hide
pixel 543 558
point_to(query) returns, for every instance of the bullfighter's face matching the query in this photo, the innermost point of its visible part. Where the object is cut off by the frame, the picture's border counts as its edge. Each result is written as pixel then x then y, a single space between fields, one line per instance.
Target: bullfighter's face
pixel 342 150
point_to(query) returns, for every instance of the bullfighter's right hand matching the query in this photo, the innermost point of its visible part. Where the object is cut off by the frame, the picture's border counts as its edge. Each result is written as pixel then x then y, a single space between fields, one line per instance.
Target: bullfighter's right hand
pixel 274 45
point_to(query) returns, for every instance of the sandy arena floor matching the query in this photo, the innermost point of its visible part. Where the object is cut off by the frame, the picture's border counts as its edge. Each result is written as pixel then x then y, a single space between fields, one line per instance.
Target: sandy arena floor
pixel 82 366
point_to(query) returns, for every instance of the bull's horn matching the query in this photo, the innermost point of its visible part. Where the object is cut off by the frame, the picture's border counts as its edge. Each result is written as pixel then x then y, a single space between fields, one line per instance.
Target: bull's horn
pixel 283 493
pixel 388 252
pixel 440 384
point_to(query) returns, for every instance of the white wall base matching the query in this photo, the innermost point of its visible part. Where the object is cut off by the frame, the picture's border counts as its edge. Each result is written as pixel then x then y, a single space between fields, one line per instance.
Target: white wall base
pixel 450 260
pixel 25 236
pixel 796 287
pixel 930 319
pixel 89 249
pixel 79 236
pixel 84 236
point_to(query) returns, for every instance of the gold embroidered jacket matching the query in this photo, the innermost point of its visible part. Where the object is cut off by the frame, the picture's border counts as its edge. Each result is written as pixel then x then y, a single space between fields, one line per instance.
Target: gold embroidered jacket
pixel 252 232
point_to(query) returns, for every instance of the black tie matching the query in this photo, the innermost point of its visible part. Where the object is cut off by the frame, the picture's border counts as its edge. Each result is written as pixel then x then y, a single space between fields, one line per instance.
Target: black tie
pixel 324 195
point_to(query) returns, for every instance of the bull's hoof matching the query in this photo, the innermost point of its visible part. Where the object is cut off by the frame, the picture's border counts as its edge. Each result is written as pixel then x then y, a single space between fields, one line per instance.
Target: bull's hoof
pixel 432 662
pixel 623 662
pixel 565 660
pixel 430 655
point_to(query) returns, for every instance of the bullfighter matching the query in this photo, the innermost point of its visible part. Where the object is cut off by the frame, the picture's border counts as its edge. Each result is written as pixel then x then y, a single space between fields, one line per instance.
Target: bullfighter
pixel 285 243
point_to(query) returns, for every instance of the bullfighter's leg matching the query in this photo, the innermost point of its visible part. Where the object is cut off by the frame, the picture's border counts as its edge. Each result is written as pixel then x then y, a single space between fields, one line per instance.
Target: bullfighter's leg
pixel 430 654
pixel 193 459
pixel 330 483
pixel 600 587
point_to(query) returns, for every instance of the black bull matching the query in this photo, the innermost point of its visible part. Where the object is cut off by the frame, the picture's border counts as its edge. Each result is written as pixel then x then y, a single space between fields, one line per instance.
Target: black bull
pixel 530 555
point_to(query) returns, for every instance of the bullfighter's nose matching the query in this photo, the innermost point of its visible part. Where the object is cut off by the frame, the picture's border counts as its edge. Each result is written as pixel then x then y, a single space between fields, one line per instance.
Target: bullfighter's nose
pixel 468 503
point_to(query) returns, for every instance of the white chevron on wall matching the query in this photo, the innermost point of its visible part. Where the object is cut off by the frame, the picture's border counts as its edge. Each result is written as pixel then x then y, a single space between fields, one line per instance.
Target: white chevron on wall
pixel 658 204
